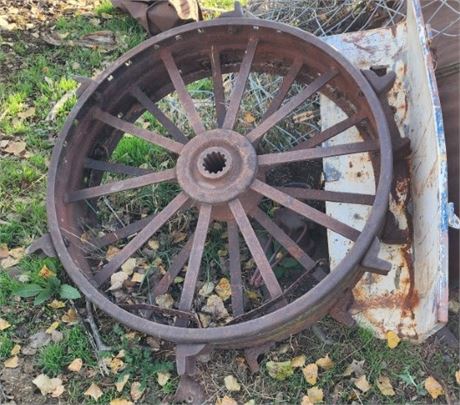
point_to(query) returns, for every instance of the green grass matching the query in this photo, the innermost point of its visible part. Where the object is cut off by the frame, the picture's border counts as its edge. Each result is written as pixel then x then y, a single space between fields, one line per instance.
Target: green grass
pixel 6 345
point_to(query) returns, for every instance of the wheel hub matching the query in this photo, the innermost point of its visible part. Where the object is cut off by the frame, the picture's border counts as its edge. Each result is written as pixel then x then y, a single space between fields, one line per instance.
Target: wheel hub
pixel 216 166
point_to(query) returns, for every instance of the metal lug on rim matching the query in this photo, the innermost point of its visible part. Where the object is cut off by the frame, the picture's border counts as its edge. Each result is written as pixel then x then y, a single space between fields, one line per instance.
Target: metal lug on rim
pixel 189 390
pixel 252 355
pixel 372 263
pixel 44 244
pixel 236 12
pixel 84 83
pixel 340 311
pixel 380 84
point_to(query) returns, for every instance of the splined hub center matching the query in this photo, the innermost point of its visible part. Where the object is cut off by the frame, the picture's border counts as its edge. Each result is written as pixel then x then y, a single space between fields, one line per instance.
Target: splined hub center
pixel 216 166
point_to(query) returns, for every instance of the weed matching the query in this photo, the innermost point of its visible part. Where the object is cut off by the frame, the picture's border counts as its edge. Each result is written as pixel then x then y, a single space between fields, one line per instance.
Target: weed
pixel 6 345
pixel 52 358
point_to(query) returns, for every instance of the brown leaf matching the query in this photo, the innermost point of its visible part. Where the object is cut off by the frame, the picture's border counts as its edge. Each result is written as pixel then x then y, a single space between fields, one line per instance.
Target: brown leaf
pixel 15 350
pixel 298 361
pixel 116 365
pixel 56 304
pixel 75 365
pixel 223 289
pixel 94 392
pixel 120 384
pixel 136 391
pixel 165 301
pixel 70 317
pixel 385 387
pixel 4 252
pixel 30 112
pixel 325 363
pixel 15 148
pixel 226 400
pixel 392 339
pixel 121 401
pixel 215 307
pixel 362 383
pixel 355 367
pixel 310 373
pixel 12 362
pixel 433 387
pixel 248 117
pixel 315 395
pixel 4 324
pixel 231 383
pixel 163 378
pixel 111 252
pixel 45 272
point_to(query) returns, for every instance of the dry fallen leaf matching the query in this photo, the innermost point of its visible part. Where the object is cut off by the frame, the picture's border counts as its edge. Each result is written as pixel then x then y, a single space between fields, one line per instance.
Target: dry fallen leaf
pixel 315 395
pixel 362 383
pixel 248 117
pixel 223 289
pixel 306 401
pixel 12 362
pixel 325 363
pixel 15 350
pixel 215 307
pixel 70 316
pixel 136 391
pixel 111 252
pixel 129 266
pixel 153 244
pixel 30 112
pixel 310 372
pixel 231 383
pixel 355 367
pixel 392 339
pixel 250 402
pixel 4 324
pixel 116 365
pixel 279 370
pixel 94 392
pixel 56 304
pixel 137 278
pixel 298 361
pixel 4 252
pixel 75 365
pixel 165 301
pixel 45 272
pixel 433 387
pixel 117 279
pixel 120 384
pixel 385 387
pixel 121 401
pixel 207 289
pixel 226 400
pixel 163 378
pixel 53 327
pixel 457 376
pixel 15 148
pixel 48 385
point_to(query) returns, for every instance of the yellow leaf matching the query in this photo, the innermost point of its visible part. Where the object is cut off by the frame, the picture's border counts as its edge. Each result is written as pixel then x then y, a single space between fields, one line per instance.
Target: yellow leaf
pixel 116 365
pixel 45 272
pixel 248 117
pixel 48 385
pixel 120 384
pixel 385 387
pixel 306 401
pixel 325 363
pixel 279 370
pixel 94 392
pixel 457 376
pixel 433 387
pixel 231 383
pixel 362 384
pixel 129 266
pixel 223 289
pixel 75 365
pixel 136 391
pixel 310 372
pixel 137 278
pixel 111 252
pixel 298 361
pixel 56 304
pixel 154 244
pixel 4 324
pixel 15 350
pixel 392 339
pixel 315 395
pixel 70 316
pixel 12 362
pixel 53 326
pixel 121 401
pixel 226 400
pixel 117 279
pixel 163 378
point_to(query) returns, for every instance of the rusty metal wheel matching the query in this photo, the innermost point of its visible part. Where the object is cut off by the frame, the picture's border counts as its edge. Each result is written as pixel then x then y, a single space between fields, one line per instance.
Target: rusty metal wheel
pixel 219 173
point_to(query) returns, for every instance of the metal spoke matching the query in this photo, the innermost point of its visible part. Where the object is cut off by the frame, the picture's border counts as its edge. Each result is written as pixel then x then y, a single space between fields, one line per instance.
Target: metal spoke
pixel 283 239
pixel 125 126
pixel 236 282
pixel 143 236
pixel 194 263
pixel 305 210
pixel 270 159
pixel 184 96
pixel 240 84
pixel 116 168
pixel 325 195
pixel 177 264
pixel 330 132
pixel 122 185
pixel 291 105
pixel 285 86
pixel 150 106
pixel 255 248
pixel 219 94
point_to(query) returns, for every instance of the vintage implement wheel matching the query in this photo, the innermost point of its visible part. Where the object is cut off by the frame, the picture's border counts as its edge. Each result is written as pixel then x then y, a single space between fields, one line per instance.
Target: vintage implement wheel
pixel 220 173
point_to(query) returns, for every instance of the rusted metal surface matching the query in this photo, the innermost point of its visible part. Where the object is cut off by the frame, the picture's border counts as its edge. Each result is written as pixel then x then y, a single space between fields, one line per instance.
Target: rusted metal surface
pixel 412 299
pixel 221 176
